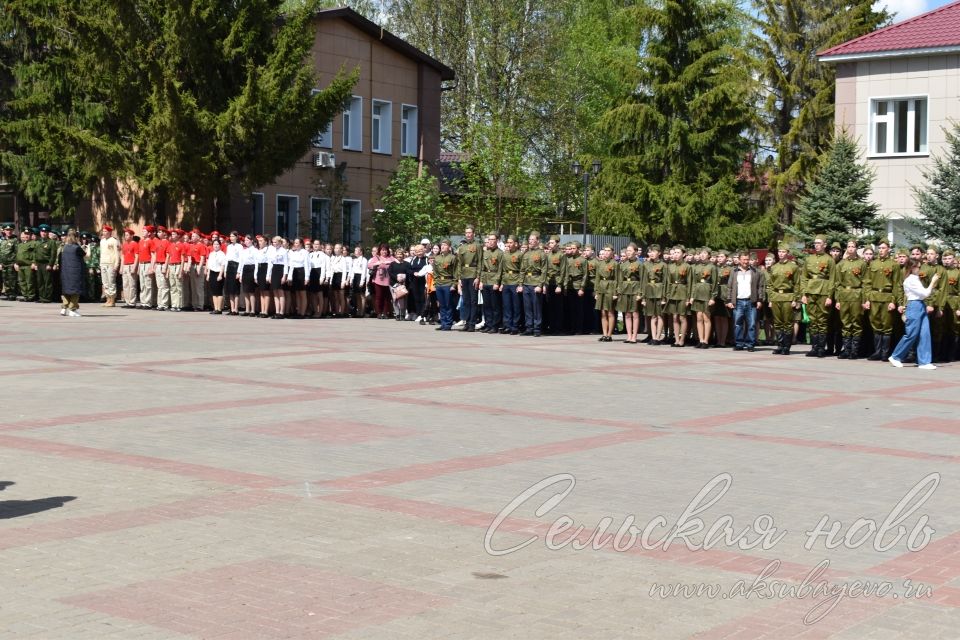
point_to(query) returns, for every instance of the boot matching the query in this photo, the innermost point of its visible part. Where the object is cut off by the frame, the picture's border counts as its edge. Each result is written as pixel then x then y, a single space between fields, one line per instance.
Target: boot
pixel 111 301
pixel 877 348
pixel 855 348
pixel 844 352
pixel 779 350
pixel 814 345
pixel 786 343
pixel 822 340
pixel 885 348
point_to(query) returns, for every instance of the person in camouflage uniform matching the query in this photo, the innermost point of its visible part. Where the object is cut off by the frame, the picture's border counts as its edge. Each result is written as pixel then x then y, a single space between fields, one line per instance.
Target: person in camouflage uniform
pixel 8 257
pixel 817 280
pixel 851 275
pixel 951 305
pixel 783 296
pixel 882 291
pixel 92 264
pixel 26 267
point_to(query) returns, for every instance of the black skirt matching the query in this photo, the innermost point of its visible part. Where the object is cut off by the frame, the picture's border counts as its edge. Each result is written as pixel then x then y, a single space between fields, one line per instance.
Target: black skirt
pixel 355 285
pixel 276 275
pixel 231 284
pixel 314 285
pixel 297 279
pixel 215 284
pixel 263 284
pixel 337 281
pixel 246 278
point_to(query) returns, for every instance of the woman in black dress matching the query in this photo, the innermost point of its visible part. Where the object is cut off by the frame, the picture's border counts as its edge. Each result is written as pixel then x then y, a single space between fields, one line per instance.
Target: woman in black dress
pixel 216 266
pixel 400 276
pixel 72 275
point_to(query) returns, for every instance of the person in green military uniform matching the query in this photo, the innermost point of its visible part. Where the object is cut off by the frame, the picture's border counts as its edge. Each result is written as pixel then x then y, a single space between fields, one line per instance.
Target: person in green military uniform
pixel 591 317
pixel 491 278
pixel 654 291
pixel 574 290
pixel 553 295
pixel 721 314
pixel 818 275
pixel 935 303
pixel 91 250
pixel 882 292
pixel 902 258
pixel 511 277
pixel 46 255
pixel 851 275
pixel 783 296
pixel 8 258
pixel 445 281
pixel 951 305
pixel 26 267
pixel 679 289
pixel 605 292
pixel 834 335
pixel 629 292
pixel 703 295
pixel 469 255
pixel 534 268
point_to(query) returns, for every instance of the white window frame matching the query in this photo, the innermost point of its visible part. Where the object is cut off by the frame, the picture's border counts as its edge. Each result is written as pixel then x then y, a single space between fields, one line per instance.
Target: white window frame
pixel 381 142
pixel 322 234
pixel 409 130
pixel 343 226
pixel 890 119
pixel 263 211
pixel 296 214
pixel 324 138
pixel 352 138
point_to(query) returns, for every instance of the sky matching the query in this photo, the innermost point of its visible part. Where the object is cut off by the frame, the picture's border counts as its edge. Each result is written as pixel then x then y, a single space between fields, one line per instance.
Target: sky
pixel 909 8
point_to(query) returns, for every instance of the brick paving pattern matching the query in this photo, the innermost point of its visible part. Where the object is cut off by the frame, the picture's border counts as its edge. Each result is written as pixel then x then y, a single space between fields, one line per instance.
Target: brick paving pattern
pixel 188 476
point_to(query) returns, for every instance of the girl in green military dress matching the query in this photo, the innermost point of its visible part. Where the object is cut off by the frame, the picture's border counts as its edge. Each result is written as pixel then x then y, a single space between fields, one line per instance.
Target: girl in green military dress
pixel 721 314
pixel 605 291
pixel 705 292
pixel 679 286
pixel 629 290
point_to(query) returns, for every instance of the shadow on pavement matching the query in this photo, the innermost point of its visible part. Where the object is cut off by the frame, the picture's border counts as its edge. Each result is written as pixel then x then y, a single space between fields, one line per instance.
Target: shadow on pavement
pixel 5 483
pixel 17 508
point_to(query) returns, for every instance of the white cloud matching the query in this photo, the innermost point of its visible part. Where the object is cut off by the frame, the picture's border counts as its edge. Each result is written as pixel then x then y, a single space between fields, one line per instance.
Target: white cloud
pixel 904 9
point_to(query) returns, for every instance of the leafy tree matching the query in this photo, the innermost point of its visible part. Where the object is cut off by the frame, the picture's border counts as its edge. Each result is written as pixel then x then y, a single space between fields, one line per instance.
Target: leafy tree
pixel 676 141
pixel 412 207
pixel 797 91
pixel 939 200
pixel 838 200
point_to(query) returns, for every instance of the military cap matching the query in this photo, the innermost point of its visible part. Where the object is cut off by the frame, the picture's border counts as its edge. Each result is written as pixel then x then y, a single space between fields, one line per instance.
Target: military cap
pixel 576 243
pixel 855 241
pixel 43 227
pixel 949 252
pixel 784 246
pixel 588 246
pixel 512 237
pixel 653 247
pixel 835 245
pixel 555 238
pixel 8 226
pixel 902 252
pixel 933 247
pixel 34 230
pixel 447 242
pixel 608 247
pixel 917 247
pixel 722 252
pixel 820 238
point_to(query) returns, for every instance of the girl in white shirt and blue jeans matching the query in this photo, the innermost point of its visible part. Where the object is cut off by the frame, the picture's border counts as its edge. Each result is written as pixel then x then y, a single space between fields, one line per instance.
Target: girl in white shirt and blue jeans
pixel 917 331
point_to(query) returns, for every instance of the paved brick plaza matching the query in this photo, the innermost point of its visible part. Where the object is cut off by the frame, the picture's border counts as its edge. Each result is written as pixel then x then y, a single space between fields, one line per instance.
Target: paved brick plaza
pixel 189 476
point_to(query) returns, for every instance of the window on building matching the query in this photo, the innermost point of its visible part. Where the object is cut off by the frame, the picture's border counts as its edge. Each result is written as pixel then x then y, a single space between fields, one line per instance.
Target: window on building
pixel 353 125
pixel 408 130
pixel 320 219
pixel 324 138
pixel 256 213
pixel 288 216
pixel 898 126
pixel 351 222
pixel 381 130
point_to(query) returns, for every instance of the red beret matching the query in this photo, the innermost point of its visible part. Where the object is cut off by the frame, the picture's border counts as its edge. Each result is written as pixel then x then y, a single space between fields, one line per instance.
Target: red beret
pixel 130 231
pixel 150 228
pixel 107 227
pixel 161 228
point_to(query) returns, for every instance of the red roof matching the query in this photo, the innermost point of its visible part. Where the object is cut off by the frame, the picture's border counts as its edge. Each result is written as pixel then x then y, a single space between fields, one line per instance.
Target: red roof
pixel 934 29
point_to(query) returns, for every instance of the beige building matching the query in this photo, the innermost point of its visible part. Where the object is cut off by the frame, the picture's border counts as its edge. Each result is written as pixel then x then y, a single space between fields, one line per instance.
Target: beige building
pixel 897 90
pixel 332 192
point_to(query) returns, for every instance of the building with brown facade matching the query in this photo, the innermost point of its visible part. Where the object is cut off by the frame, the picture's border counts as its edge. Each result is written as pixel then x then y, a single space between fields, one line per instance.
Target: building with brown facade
pixel 333 190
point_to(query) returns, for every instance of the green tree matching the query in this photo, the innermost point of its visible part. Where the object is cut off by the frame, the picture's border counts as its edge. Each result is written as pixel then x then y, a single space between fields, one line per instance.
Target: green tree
pixel 676 141
pixel 797 90
pixel 938 201
pixel 837 202
pixel 412 207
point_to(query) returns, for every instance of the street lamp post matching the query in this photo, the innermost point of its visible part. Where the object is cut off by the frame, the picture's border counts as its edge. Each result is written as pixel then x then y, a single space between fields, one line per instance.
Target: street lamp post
pixel 578 170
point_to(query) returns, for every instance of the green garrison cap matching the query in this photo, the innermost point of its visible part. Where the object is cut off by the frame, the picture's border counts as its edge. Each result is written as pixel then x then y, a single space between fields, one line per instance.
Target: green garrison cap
pixel 949 252
pixel 784 246
pixel 447 242
pixel 835 245
pixel 820 238
pixel 511 237
pixel 44 227
pixel 653 247
pixel 901 251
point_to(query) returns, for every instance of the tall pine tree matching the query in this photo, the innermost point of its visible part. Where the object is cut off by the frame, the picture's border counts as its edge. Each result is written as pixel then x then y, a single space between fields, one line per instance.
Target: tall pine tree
pixel 797 91
pixel 676 142
pixel 837 203
pixel 938 201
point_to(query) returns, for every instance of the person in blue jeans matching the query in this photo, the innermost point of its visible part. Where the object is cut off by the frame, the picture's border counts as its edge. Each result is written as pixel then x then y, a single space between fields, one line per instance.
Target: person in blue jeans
pixel 745 292
pixel 917 331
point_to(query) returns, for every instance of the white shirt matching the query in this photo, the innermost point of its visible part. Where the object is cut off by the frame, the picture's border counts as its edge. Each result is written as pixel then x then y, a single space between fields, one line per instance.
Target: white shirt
pixel 298 259
pixel 337 265
pixel 743 284
pixel 359 267
pixel 109 252
pixel 277 256
pixel 262 254
pixel 216 261
pixel 233 252
pixel 319 261
pixel 248 256
pixel 914 289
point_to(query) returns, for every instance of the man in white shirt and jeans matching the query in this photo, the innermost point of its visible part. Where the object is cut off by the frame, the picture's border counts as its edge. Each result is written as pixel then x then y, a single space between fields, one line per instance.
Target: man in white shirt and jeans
pixel 745 291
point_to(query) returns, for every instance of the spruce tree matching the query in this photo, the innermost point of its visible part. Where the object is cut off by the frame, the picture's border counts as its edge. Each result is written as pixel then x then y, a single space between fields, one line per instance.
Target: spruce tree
pixel 938 201
pixel 411 207
pixel 837 203
pixel 675 143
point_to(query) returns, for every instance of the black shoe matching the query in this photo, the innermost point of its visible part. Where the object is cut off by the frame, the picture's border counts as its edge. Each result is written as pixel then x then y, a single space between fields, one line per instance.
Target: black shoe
pixel 439 329
pixel 514 332
pixel 422 321
pixel 537 334
pixel 751 348
pixel 738 348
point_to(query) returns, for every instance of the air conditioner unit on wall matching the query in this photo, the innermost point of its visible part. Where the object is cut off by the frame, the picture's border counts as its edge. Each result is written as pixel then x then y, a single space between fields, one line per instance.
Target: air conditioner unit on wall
pixel 324 160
